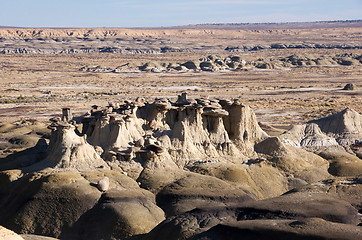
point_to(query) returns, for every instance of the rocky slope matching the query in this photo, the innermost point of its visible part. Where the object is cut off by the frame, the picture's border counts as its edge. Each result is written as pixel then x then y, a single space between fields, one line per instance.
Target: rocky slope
pixel 186 169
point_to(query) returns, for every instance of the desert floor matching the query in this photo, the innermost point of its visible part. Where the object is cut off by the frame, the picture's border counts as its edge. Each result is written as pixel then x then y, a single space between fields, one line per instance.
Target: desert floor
pixel 38 86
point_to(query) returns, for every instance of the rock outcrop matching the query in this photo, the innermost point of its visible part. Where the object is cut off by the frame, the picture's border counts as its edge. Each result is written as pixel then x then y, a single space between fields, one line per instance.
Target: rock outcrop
pixel 341 163
pixel 343 128
pixel 350 86
pixel 185 130
pixel 298 214
pixel 307 135
pixel 68 151
pixel 312 228
pixel 119 214
pixel 214 63
pixel 292 215
pixel 67 196
pixel 336 138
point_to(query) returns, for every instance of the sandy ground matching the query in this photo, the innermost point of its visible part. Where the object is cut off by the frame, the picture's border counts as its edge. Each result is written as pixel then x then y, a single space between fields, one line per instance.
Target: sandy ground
pixel 38 86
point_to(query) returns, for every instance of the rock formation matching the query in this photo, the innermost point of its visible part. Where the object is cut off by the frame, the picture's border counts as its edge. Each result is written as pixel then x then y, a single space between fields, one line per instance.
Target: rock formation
pixel 68 151
pixel 296 161
pixel 185 130
pixel 307 135
pixel 271 218
pixel 343 128
pixel 350 86
pixel 214 63
pixel 103 184
pixel 186 168
pixel 336 138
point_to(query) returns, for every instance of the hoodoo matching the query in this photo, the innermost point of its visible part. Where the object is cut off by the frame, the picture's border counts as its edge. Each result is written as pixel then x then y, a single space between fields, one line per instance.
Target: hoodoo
pixel 188 129
pixel 68 151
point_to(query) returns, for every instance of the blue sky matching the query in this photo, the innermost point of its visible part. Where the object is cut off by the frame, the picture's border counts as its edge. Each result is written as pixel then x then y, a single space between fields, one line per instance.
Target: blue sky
pixel 142 13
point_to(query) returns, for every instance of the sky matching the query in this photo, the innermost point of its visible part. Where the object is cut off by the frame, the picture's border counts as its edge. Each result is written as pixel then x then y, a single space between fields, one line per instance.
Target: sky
pixel 160 13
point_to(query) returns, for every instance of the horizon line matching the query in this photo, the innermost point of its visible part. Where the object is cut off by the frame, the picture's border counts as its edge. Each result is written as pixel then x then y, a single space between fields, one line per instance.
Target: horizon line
pixel 197 24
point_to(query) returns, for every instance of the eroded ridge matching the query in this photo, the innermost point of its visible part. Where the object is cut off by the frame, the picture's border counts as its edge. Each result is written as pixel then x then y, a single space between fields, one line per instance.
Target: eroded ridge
pixel 181 131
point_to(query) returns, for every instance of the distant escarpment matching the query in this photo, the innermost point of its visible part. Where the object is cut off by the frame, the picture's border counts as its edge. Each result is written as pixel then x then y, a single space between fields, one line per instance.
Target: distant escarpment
pixel 37 46
pixel 293 46
pixel 157 41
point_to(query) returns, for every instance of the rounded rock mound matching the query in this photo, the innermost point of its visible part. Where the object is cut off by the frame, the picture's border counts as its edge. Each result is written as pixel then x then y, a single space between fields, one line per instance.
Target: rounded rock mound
pixel 350 86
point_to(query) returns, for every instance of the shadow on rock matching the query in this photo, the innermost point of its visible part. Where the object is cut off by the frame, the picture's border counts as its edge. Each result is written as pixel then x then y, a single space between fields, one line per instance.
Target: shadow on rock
pixel 26 157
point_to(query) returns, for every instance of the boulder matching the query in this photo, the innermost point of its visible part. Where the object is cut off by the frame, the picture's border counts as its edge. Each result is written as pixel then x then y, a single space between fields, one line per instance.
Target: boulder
pixel 103 184
pixel 349 86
